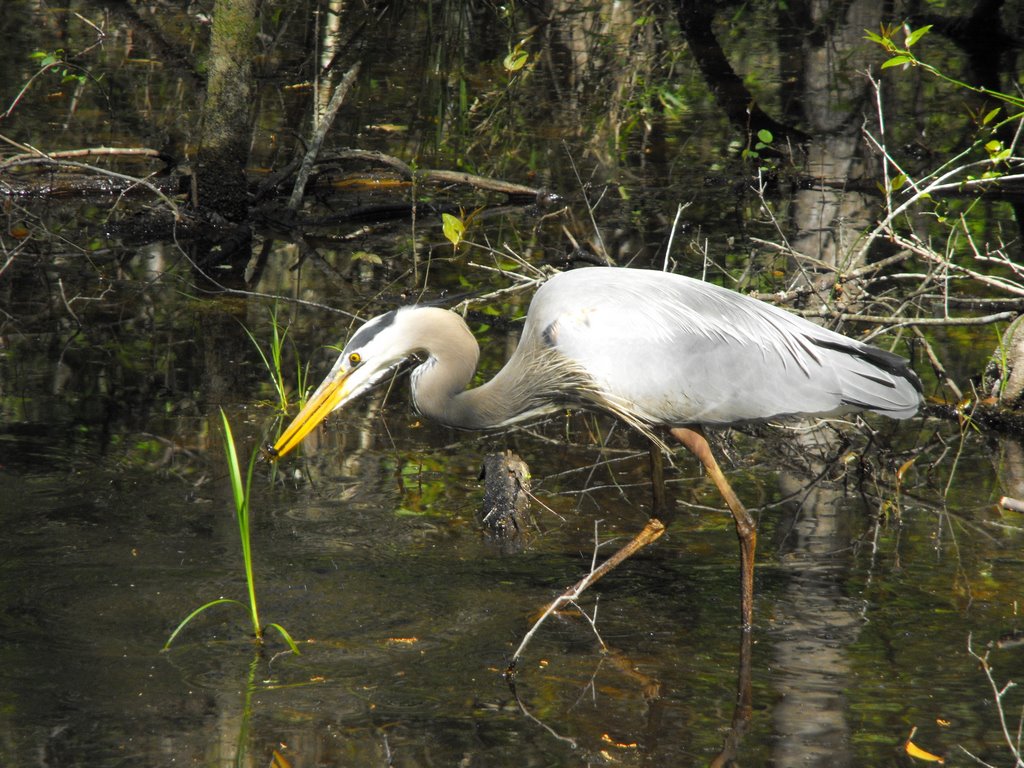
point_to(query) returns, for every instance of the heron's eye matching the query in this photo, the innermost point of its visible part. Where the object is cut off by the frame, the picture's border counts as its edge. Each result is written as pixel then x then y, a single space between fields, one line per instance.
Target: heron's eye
pixel 354 359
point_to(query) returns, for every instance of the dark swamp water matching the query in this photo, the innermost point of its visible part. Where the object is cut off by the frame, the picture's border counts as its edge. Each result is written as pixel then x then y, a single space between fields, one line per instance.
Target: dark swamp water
pixel 117 356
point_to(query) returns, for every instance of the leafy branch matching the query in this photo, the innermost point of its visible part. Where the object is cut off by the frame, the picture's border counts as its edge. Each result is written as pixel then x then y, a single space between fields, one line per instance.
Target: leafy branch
pixel 903 55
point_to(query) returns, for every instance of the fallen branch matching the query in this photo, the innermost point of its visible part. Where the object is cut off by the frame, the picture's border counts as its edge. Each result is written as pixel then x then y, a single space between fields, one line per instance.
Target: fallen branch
pixel 483 182
pixel 131 181
pixel 70 154
pixel 337 98
pixel 650 533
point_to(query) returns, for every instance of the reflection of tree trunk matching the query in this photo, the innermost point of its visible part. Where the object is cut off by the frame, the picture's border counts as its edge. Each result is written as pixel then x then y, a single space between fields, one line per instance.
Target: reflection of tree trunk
pixel 588 46
pixel 224 137
pixel 829 220
pixel 815 622
pixel 222 339
pixel 1009 465
pixel 735 100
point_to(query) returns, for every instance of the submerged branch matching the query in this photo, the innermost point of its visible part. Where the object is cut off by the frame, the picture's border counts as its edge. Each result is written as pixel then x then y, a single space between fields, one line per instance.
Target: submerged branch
pixel 129 182
pixel 650 533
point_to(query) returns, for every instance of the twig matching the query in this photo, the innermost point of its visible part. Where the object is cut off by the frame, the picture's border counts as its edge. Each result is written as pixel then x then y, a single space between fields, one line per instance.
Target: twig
pixel 997 695
pixel 937 365
pixel 528 283
pixel 592 621
pixel 672 234
pixel 302 178
pixel 650 533
pixel 522 708
pixel 590 209
pixel 899 321
pixel 927 253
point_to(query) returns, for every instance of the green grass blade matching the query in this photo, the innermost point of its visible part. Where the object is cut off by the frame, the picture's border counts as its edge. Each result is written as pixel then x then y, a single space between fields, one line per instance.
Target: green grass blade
pixel 275 378
pixel 277 354
pixel 250 578
pixel 196 612
pixel 301 376
pixel 273 363
pixel 287 638
pixel 241 496
pixel 233 469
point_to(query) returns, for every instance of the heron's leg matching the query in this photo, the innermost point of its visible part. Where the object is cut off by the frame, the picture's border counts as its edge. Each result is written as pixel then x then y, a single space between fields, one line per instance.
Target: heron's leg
pixel 658 504
pixel 746 530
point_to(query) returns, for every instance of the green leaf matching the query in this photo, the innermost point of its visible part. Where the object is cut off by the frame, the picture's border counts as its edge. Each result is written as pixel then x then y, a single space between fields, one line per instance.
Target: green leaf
pixel 453 228
pixel 196 612
pixel 516 60
pixel 765 136
pixel 234 470
pixel 287 637
pixel 671 100
pixel 895 61
pixel 897 182
pixel 917 34
pixel 368 257
pixel 991 116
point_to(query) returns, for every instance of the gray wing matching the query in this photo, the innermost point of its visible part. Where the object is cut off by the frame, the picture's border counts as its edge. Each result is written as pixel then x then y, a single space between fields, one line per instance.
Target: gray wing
pixel 673 350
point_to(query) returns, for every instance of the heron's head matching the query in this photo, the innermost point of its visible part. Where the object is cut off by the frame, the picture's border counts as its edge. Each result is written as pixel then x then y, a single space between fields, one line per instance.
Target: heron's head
pixel 374 351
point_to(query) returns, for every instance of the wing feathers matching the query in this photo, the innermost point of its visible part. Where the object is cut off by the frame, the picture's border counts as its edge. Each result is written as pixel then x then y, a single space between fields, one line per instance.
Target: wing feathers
pixel 678 350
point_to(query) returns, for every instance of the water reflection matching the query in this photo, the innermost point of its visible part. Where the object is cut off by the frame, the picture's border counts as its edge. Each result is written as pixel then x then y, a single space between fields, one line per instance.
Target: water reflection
pixel 814 622
pixel 117 514
pixel 373 554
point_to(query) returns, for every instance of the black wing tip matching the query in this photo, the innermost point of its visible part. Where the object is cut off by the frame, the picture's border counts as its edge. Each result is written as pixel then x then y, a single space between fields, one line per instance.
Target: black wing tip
pixel 888 362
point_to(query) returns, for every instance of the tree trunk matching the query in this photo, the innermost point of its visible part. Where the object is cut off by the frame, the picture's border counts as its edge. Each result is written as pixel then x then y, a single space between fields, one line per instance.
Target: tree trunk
pixel 224 138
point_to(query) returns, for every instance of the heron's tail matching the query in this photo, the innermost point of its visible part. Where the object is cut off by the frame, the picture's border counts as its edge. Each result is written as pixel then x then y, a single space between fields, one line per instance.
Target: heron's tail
pixel 875 380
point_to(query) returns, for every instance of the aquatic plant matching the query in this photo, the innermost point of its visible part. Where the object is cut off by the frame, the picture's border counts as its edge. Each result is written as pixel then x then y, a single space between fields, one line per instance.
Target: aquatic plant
pixel 241 493
pixel 274 363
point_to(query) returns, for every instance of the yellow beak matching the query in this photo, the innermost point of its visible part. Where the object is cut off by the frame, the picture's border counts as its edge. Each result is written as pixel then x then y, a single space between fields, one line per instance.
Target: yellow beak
pixel 328 396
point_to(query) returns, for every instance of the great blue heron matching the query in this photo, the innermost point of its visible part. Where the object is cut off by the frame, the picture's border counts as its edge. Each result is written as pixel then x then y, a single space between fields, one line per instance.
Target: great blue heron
pixel 653 348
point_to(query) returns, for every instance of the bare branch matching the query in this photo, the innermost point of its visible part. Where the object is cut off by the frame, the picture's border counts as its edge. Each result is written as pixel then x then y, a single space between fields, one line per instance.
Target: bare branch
pixel 337 98
pixel 651 532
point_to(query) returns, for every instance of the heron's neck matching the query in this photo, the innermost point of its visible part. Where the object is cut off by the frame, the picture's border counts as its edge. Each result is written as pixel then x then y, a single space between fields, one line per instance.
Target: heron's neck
pixel 439 384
